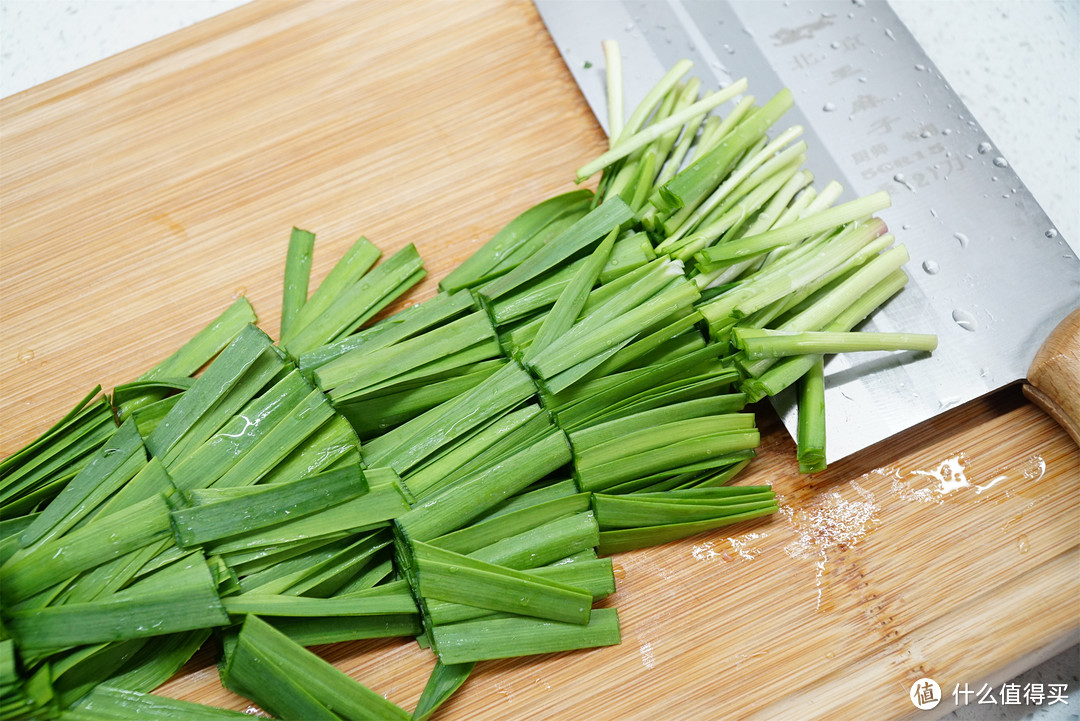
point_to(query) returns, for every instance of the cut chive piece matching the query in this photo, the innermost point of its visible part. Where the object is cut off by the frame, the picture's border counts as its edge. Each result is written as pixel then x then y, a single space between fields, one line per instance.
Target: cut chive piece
pixel 653 98
pixel 333 629
pixel 541 493
pixel 630 538
pixel 407 446
pixel 293 683
pixel 108 702
pixel 405 324
pixel 370 510
pixel 297 276
pixel 157 661
pixel 583 341
pixel 222 375
pixel 691 185
pixel 629 143
pixel 111 467
pixel 94 544
pixel 800 229
pixel 684 447
pixel 334 445
pixel 266 506
pixel 493 530
pixel 278 441
pixel 440 471
pixel 203 466
pixel 544 544
pixel 811 434
pixel 357 303
pixel 518 636
pixel 517 232
pixel 598 223
pixel 593 575
pixel 445 679
pixel 191 602
pixel 357 260
pixel 457 505
pixel 763 343
pixel 358 369
pixel 207 343
pixel 568 307
pixel 789 370
pixel 615 429
pixel 301 607
pixel 660 435
pixel 788 275
pixel 454 578
pixel 635 511
pixel 40 470
pixel 380 413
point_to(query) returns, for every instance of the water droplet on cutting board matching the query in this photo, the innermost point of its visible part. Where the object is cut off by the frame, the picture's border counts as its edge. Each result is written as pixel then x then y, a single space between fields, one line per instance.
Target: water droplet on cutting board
pixel 1022 544
pixel 985 148
pixel 930 267
pixel 26 356
pixel 965 320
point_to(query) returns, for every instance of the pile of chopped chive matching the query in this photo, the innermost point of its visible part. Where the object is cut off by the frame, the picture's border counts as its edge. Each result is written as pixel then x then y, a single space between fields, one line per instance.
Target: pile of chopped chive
pixel 451 472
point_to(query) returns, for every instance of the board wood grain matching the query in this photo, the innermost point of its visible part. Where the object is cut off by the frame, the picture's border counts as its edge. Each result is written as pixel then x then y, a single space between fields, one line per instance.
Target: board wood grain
pixel 142 193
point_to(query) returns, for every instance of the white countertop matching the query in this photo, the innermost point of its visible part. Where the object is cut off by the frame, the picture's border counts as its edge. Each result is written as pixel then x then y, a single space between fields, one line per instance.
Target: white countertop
pixel 1014 63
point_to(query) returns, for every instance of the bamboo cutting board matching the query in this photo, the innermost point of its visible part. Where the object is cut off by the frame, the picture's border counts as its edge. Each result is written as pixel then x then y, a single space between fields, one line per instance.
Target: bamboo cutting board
pixel 142 193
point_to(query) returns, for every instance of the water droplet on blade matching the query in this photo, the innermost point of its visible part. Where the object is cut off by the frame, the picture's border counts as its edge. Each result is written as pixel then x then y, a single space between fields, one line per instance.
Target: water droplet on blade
pixel 930 267
pixel 1052 233
pixel 1000 162
pixel 965 320
pixel 828 107
pixel 985 148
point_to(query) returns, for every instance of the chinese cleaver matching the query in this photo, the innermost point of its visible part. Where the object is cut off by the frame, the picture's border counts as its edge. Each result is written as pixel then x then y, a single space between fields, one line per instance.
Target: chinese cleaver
pixel 989 273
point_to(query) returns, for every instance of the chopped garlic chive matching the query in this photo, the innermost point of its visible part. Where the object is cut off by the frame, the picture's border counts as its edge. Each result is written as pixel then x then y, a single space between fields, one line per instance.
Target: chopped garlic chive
pixel 297 276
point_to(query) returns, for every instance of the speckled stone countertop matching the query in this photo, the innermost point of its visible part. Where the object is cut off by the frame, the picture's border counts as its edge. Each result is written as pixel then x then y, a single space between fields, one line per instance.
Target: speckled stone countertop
pixel 1014 63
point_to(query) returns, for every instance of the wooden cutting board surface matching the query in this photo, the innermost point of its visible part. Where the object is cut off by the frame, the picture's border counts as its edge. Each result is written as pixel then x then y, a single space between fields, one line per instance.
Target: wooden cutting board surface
pixel 140 195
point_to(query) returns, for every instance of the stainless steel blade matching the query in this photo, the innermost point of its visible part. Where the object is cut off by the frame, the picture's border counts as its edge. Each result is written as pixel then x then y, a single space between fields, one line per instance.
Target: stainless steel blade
pixel 989 273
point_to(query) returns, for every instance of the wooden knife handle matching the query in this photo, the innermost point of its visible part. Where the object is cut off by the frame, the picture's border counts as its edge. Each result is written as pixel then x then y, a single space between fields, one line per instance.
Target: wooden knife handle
pixel 1054 377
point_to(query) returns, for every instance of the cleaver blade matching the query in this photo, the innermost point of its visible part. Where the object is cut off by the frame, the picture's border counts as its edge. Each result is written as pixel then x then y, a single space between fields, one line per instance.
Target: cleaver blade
pixel 989 272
